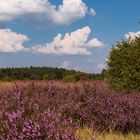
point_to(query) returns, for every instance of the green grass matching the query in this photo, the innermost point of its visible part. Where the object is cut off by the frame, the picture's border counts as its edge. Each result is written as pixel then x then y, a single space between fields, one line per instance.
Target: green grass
pixel 88 134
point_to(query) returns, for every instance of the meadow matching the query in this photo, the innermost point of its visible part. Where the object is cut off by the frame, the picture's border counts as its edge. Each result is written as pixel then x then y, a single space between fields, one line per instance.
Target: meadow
pixel 52 110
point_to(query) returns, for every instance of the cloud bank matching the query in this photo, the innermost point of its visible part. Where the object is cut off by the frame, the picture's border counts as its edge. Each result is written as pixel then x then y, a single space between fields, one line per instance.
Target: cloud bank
pixel 43 12
pixel 74 43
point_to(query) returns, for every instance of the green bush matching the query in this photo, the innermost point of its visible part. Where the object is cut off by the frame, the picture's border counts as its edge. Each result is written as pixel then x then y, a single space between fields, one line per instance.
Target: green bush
pixel 123 71
pixel 45 77
pixel 7 78
pixel 75 77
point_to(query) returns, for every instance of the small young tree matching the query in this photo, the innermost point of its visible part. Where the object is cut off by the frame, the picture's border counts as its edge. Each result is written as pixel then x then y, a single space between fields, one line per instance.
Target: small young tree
pixel 7 78
pixel 123 71
pixel 45 77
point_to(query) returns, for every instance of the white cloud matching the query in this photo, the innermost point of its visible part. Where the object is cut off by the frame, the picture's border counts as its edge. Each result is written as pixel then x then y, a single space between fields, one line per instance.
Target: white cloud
pixel 11 9
pixel 11 41
pixel 132 35
pixel 95 43
pixel 92 11
pixel 74 43
pixel 42 11
pixel 66 64
pixel 70 11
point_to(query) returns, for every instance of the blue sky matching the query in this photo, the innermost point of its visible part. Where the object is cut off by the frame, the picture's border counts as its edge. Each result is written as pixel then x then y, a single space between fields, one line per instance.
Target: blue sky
pixel 73 34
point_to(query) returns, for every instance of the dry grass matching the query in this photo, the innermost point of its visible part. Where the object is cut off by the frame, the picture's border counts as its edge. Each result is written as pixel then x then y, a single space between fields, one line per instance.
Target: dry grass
pixel 88 134
pixel 5 85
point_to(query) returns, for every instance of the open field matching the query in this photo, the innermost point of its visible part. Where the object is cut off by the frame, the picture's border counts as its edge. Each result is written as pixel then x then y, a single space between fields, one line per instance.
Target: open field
pixel 55 110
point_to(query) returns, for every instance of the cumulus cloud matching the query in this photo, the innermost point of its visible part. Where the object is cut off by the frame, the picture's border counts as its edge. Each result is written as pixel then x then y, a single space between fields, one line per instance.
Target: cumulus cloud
pixel 95 43
pixel 12 9
pixel 66 64
pixel 74 43
pixel 11 41
pixel 132 35
pixel 42 11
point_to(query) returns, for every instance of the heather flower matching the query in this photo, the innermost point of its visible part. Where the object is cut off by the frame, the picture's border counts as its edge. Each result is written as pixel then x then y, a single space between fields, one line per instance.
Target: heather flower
pixel 52 110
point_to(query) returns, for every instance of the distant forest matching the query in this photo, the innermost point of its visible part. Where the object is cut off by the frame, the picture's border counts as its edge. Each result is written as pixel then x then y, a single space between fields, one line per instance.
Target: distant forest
pixel 45 73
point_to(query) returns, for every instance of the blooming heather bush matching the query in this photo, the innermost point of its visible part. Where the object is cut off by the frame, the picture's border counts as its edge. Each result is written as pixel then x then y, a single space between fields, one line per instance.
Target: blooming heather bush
pixel 54 110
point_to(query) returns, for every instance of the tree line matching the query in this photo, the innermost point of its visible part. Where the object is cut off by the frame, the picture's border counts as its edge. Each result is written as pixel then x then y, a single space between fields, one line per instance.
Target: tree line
pixel 45 73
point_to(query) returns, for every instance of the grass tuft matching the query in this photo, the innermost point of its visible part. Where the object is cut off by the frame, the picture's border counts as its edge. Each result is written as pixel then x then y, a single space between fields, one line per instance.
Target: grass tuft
pixel 88 134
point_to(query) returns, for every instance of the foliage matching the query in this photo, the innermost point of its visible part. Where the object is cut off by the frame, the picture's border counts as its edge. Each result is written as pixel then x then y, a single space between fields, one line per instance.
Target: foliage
pixel 54 110
pixel 75 77
pixel 7 78
pixel 124 65
pixel 45 77
pixel 38 73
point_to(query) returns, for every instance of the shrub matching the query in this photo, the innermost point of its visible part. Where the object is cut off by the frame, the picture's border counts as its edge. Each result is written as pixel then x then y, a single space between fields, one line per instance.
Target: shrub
pixel 53 110
pixel 45 77
pixel 75 77
pixel 123 71
pixel 7 79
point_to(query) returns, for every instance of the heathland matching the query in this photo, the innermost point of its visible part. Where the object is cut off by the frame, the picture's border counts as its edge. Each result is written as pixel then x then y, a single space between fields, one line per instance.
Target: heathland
pixel 52 110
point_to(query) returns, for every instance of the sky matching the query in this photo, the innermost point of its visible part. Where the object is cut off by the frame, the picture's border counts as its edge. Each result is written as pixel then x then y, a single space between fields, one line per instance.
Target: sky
pixel 71 34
